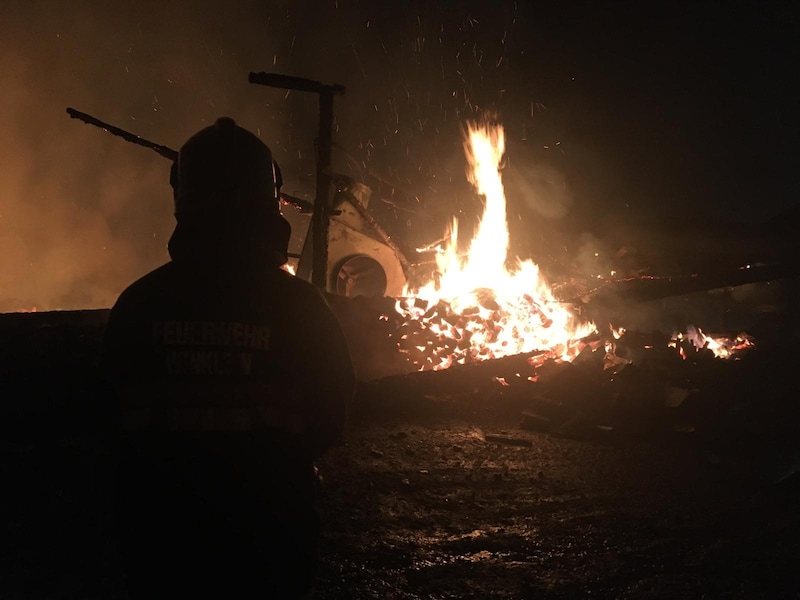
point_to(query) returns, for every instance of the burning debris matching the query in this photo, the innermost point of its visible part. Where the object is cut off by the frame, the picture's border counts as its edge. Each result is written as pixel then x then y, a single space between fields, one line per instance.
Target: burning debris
pixel 721 346
pixel 482 305
pixel 486 330
pixel 477 308
pixel 479 304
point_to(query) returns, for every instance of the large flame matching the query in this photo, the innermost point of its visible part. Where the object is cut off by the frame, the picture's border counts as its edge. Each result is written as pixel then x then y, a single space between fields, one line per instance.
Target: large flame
pixel 482 305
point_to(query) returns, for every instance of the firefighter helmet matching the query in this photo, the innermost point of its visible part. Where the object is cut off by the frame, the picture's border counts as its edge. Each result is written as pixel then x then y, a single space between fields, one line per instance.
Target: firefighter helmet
pixel 224 167
pixel 225 189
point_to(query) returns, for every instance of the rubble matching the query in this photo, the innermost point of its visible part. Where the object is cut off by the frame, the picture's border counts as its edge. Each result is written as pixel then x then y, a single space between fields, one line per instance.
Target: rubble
pixel 640 386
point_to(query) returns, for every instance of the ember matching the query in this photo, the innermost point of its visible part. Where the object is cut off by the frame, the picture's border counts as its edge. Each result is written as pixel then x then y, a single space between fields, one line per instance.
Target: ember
pixel 721 346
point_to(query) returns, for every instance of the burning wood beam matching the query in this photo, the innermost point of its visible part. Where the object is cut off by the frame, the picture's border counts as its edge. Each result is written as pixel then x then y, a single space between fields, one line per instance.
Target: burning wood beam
pixel 164 151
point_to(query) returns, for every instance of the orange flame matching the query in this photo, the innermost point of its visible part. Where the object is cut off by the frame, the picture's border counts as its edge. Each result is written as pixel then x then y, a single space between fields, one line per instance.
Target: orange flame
pixel 478 308
pixel 722 347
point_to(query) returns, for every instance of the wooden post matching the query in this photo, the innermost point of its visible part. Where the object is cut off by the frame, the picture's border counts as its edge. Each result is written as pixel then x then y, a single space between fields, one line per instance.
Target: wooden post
pixel 324 196
pixel 324 193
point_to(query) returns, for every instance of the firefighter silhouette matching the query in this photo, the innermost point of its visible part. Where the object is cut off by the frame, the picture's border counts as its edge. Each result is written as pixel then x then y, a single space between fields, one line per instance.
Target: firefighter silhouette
pixel 228 378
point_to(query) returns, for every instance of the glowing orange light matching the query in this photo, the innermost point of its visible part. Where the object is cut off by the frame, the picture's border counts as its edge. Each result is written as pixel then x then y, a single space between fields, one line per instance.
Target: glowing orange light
pixel 484 306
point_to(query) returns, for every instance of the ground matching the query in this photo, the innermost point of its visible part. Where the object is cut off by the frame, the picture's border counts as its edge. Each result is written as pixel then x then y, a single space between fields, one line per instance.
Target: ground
pixel 430 509
pixel 421 505
pixel 435 495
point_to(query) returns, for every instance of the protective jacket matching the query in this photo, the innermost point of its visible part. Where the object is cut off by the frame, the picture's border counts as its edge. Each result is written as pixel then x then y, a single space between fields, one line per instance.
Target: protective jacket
pixel 229 378
pixel 197 351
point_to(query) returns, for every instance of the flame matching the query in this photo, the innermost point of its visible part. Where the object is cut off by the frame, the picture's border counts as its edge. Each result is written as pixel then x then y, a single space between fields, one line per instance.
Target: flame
pixel 484 306
pixel 721 346
pixel 617 332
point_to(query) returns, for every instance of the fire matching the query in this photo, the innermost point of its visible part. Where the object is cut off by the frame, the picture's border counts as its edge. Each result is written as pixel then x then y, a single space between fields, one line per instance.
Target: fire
pixel 722 347
pixel 483 305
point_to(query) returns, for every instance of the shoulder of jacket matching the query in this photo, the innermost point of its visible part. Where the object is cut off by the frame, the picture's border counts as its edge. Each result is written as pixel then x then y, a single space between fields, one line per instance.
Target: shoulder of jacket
pixel 144 286
pixel 296 284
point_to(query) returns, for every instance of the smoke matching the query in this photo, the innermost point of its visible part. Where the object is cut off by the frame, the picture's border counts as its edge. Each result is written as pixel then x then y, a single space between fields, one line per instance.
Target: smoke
pixel 82 214
pixel 71 234
pixel 542 187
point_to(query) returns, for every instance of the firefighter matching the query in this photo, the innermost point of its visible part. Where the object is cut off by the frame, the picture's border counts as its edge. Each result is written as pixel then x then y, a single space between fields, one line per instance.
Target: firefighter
pixel 229 378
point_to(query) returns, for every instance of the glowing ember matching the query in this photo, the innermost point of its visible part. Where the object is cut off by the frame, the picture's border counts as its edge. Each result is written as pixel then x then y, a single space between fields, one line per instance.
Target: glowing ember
pixel 484 306
pixel 722 347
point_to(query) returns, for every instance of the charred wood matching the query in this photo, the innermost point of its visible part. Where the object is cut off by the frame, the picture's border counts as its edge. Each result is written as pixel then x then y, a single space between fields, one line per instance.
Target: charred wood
pixel 650 287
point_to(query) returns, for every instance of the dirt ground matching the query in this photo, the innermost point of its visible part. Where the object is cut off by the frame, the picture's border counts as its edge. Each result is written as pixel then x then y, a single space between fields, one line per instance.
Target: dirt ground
pixel 428 508
pixel 436 498
pixel 425 505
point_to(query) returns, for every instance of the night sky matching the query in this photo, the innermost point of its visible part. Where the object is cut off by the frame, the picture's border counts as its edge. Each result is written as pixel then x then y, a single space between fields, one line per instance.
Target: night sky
pixel 620 117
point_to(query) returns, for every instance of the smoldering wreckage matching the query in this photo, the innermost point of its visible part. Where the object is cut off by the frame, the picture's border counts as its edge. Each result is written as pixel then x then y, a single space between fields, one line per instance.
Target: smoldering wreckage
pixel 486 397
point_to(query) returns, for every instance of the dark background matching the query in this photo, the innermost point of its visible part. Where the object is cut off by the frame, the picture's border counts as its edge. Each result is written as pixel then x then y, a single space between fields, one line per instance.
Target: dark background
pixel 656 125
